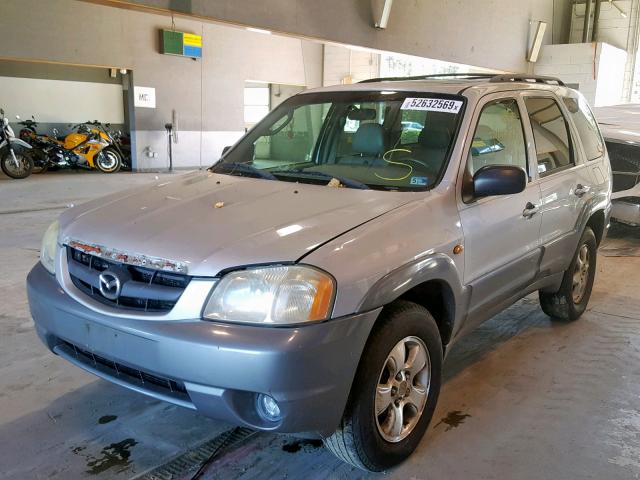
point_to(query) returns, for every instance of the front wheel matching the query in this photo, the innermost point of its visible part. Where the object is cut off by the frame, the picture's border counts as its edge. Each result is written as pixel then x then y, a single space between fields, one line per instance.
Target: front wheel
pixel 108 160
pixel 15 163
pixel 570 301
pixel 395 390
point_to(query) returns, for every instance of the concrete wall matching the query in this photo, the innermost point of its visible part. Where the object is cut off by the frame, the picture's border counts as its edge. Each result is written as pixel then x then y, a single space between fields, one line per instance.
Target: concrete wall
pixel 345 64
pixel 60 95
pixel 60 101
pixel 597 69
pixel 206 95
pixel 486 33
pixel 613 28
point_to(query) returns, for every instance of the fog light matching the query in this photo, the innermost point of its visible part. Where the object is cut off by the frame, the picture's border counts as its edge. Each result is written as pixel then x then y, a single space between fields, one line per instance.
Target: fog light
pixel 268 407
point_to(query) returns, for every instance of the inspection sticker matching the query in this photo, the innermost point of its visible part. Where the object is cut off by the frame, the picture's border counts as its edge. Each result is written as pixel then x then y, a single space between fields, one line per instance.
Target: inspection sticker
pixel 432 104
pixel 419 181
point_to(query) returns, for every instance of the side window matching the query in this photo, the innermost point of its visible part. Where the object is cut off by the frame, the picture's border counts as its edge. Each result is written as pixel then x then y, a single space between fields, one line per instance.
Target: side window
pixel 499 137
pixel 550 133
pixel 586 125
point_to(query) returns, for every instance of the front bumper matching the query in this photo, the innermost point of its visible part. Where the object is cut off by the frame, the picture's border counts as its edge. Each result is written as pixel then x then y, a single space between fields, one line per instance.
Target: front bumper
pixel 215 368
pixel 626 210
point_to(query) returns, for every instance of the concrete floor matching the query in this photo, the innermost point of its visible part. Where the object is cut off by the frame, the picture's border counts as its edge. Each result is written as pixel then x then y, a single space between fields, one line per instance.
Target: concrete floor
pixel 523 397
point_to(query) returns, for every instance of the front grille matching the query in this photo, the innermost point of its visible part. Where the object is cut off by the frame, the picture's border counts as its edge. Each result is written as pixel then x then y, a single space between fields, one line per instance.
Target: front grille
pixel 625 164
pixel 131 376
pixel 146 289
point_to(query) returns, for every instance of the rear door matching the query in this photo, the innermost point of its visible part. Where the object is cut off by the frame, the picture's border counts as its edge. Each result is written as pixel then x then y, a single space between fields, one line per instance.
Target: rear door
pixel 502 248
pixel 565 181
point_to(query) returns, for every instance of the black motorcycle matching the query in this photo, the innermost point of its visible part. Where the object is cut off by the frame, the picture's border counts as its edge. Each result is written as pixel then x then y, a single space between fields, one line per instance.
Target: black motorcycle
pixel 41 144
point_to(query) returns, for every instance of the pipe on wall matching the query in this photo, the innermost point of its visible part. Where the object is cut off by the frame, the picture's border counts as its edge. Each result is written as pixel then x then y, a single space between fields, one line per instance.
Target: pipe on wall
pixel 596 19
pixel 587 21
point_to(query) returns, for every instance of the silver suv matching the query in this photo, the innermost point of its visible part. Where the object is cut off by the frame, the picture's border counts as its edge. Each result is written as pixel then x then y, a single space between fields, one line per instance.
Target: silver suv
pixel 314 279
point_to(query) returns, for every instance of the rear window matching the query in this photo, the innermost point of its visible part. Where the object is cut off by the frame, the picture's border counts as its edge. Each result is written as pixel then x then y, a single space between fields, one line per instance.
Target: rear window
pixel 587 127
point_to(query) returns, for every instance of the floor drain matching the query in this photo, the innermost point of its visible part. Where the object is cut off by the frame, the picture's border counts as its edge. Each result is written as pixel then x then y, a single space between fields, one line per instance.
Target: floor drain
pixel 192 460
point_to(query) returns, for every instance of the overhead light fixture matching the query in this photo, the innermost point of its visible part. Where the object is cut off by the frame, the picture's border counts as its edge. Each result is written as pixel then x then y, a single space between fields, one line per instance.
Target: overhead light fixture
pixel 259 30
pixel 536 44
pixel 622 13
pixel 383 19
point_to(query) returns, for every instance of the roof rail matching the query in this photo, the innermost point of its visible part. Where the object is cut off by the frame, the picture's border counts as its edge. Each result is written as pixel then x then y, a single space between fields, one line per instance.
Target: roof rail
pixel 492 77
pixel 468 76
pixel 527 78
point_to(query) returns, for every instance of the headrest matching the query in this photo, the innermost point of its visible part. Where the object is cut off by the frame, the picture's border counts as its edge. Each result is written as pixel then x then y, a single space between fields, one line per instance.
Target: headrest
pixel 369 139
pixel 434 137
pixel 484 131
pixel 362 114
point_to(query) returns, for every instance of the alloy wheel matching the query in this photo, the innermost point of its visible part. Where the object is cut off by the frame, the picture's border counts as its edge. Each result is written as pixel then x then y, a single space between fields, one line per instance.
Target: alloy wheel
pixel 108 160
pixel 581 274
pixel 402 389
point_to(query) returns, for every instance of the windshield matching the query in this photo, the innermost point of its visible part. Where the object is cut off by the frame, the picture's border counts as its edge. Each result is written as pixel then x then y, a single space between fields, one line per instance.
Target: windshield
pixel 381 140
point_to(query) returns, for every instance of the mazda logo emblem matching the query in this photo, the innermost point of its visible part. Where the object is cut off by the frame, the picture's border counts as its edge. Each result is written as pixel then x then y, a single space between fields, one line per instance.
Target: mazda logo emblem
pixel 110 285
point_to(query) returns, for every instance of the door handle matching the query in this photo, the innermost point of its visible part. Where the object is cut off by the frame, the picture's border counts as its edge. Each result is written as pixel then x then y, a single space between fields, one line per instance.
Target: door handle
pixel 580 190
pixel 530 210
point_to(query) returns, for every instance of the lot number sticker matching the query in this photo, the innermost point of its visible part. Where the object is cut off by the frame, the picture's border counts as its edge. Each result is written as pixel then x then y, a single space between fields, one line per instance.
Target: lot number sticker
pixel 432 104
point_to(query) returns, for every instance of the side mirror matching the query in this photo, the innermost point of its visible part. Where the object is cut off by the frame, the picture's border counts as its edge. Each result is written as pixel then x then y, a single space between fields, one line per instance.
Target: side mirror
pixel 226 149
pixel 499 180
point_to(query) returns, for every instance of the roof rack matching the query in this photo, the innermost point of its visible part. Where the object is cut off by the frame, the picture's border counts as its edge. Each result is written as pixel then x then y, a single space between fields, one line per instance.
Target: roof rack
pixel 527 78
pixel 468 76
pixel 491 77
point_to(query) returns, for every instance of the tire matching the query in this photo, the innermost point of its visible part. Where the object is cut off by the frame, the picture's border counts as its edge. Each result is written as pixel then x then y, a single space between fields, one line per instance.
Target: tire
pixel 7 165
pixel 569 303
pixel 108 160
pixel 363 438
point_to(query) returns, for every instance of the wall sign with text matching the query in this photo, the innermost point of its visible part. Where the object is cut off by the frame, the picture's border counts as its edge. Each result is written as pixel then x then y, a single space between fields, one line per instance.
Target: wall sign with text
pixel 144 97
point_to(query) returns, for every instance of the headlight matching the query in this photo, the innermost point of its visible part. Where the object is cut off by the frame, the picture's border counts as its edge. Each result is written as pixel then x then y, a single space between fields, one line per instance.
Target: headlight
pixel 277 295
pixel 49 248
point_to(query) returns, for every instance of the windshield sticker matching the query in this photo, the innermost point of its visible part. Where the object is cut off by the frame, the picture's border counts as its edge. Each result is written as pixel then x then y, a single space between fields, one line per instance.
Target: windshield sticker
pixel 422 181
pixel 432 105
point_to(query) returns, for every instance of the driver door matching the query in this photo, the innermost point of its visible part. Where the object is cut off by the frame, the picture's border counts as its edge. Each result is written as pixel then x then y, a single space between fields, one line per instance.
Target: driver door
pixel 502 245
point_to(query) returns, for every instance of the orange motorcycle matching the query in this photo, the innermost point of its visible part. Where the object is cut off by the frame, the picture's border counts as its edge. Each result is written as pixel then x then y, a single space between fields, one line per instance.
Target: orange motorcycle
pixel 91 145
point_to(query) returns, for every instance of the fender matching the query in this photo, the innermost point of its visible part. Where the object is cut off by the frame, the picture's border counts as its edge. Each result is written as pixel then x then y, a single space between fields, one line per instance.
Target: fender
pixel 438 267
pixel 16 141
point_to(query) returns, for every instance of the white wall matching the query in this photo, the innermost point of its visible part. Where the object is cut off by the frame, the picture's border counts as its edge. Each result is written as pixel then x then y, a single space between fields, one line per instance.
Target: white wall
pixel 611 65
pixel 60 101
pixel 342 62
pixel 598 68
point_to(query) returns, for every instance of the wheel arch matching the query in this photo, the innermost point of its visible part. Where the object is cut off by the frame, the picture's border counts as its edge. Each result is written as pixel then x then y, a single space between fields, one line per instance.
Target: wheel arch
pixel 432 282
pixel 597 223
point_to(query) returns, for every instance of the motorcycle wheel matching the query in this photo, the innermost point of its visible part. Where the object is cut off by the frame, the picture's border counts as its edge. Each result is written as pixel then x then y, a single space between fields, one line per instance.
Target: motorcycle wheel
pixel 25 164
pixel 108 160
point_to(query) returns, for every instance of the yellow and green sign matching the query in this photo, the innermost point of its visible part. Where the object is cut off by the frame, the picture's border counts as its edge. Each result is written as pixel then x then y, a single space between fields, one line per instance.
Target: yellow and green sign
pixel 180 43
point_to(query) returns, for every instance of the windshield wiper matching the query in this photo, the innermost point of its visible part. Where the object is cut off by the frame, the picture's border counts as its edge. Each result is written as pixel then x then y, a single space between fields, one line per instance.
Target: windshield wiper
pixel 347 182
pixel 232 167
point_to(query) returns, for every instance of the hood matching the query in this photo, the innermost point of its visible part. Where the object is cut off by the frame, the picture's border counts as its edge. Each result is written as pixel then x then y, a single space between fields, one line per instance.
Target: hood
pixel 619 123
pixel 213 222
